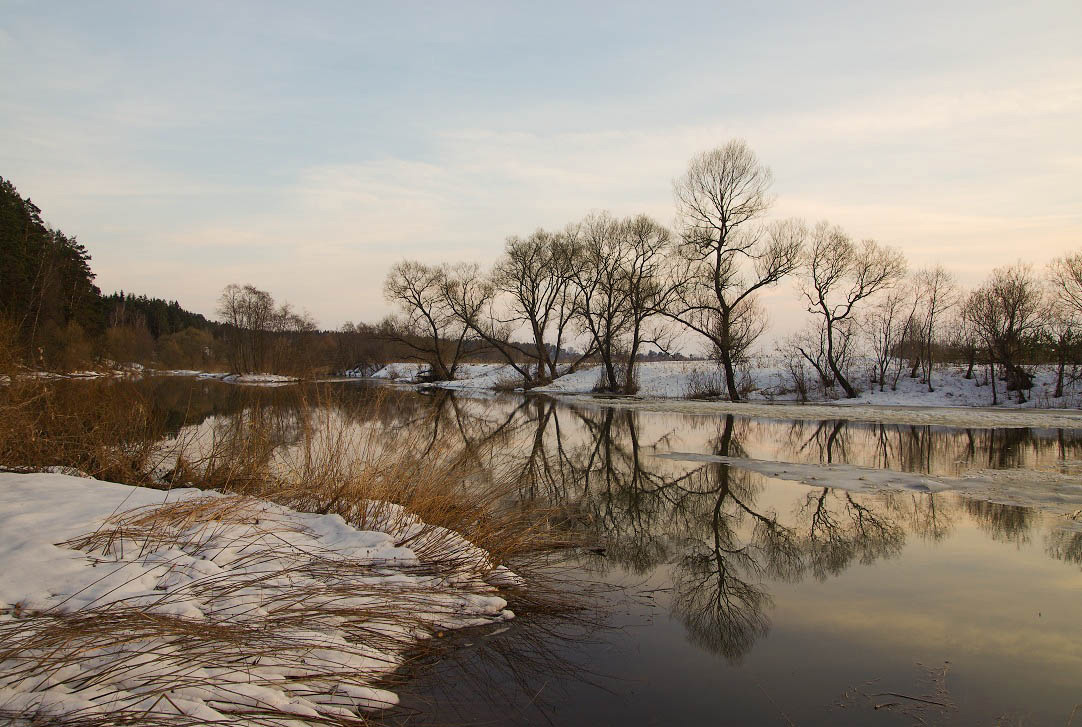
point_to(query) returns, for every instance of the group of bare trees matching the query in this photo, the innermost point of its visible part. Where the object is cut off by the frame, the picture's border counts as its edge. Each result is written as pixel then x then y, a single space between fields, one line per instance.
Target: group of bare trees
pixel 260 334
pixel 605 280
pixel 616 286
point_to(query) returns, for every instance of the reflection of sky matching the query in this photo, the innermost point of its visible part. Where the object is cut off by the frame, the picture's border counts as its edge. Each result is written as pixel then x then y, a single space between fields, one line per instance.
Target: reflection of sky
pixel 972 596
pixel 305 148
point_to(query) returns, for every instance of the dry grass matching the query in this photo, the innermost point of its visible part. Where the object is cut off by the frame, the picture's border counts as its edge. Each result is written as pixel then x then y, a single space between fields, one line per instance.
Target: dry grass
pixel 273 619
pixel 45 424
pixel 319 454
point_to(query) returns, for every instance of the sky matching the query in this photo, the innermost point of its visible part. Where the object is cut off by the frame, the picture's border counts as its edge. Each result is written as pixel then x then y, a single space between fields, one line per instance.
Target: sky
pixel 306 147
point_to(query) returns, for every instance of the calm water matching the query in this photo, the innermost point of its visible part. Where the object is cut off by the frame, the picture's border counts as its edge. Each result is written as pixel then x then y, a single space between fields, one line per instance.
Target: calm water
pixel 743 599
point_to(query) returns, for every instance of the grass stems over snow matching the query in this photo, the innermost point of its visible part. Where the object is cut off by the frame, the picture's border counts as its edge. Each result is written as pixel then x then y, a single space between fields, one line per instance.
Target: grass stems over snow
pixel 311 623
pixel 248 620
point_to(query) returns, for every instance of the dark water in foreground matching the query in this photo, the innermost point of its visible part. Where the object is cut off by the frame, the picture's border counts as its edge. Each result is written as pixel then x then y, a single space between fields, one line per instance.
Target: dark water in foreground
pixel 749 600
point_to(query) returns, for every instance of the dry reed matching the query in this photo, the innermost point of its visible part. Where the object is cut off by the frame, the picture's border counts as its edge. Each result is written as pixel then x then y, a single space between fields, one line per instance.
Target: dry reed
pixel 319 454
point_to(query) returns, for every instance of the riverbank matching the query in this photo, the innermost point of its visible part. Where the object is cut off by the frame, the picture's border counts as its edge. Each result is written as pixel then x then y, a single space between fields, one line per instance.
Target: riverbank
pixel 125 603
pixel 676 386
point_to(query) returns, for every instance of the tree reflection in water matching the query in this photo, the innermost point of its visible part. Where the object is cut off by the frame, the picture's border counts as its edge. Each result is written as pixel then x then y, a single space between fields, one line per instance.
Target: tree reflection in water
pixel 723 538
pixel 710 525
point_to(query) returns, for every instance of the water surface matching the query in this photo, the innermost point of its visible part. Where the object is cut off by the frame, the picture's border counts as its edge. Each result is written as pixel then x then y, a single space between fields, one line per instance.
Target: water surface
pixel 745 599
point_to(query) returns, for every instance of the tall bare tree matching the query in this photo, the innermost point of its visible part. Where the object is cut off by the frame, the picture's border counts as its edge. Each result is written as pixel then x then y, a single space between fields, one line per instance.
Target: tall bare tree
pixel 599 277
pixel 651 283
pixel 535 275
pixel 248 313
pixel 472 297
pixel 426 325
pixel 938 292
pixel 1064 310
pixel 886 326
pixel 840 274
pixel 730 257
pixel 1008 312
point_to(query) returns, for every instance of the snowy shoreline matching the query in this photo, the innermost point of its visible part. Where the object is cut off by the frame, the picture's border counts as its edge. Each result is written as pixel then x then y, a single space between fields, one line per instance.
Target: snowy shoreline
pixel 229 606
pixel 956 401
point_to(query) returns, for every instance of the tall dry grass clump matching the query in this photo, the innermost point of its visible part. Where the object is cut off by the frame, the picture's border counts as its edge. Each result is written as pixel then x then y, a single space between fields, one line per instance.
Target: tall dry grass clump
pixel 305 447
pixel 106 431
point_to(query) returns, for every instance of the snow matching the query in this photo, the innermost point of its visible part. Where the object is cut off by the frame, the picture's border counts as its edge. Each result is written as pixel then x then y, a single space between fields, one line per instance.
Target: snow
pixel 662 379
pixel 665 386
pixel 273 379
pixel 339 606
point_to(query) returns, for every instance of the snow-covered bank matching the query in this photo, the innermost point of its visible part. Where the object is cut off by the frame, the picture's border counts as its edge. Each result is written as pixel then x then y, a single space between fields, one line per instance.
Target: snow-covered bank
pixel 664 386
pixel 135 603
pixel 138 371
pixel 253 379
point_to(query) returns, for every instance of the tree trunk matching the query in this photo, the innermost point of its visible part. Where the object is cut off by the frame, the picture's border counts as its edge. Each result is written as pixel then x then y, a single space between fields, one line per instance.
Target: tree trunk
pixel 730 374
pixel 1059 373
pixel 850 392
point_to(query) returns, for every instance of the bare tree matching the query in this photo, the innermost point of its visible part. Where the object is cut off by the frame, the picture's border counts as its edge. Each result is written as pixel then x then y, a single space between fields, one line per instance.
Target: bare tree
pixel 426 325
pixel 535 274
pixel 1065 310
pixel 602 309
pixel 886 326
pixel 730 257
pixel 650 286
pixel 471 298
pixel 841 274
pixel 937 290
pixel 262 335
pixel 1007 312
pixel 624 283
pixel 1061 330
pixel 248 313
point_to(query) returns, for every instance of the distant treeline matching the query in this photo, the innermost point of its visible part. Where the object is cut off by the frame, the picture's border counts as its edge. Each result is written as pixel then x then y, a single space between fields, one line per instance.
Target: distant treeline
pixel 54 317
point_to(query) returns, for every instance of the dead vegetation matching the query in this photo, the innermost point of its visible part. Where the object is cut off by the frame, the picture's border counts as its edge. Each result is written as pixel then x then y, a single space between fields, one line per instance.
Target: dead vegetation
pixel 308 450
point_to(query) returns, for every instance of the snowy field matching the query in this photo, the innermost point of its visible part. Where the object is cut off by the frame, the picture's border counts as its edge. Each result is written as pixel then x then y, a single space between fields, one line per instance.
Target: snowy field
pixel 132 602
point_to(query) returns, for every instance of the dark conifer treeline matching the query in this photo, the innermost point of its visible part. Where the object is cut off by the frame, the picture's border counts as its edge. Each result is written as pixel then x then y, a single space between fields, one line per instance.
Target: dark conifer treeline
pixel 47 289
pixel 53 316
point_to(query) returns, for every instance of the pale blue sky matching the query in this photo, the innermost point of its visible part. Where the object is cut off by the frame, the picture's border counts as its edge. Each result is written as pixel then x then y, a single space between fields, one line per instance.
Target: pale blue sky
pixel 305 147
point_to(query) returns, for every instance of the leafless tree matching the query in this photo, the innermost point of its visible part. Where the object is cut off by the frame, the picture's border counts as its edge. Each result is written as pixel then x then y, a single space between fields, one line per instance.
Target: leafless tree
pixel 1062 326
pixel 426 325
pixel 602 309
pixel 729 255
pixel 650 284
pixel 839 275
pixel 248 313
pixel 624 282
pixel 1007 312
pixel 472 297
pixel 260 334
pixel 965 336
pixel 886 326
pixel 938 292
pixel 1064 311
pixel 535 274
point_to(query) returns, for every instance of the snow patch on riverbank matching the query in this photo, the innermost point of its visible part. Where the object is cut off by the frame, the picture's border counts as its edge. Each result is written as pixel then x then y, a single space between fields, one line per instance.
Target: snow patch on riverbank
pixel 216 606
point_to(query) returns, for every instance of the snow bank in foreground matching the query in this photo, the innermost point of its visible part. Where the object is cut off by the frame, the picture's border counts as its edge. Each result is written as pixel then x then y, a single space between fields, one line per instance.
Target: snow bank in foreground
pixel 216 607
